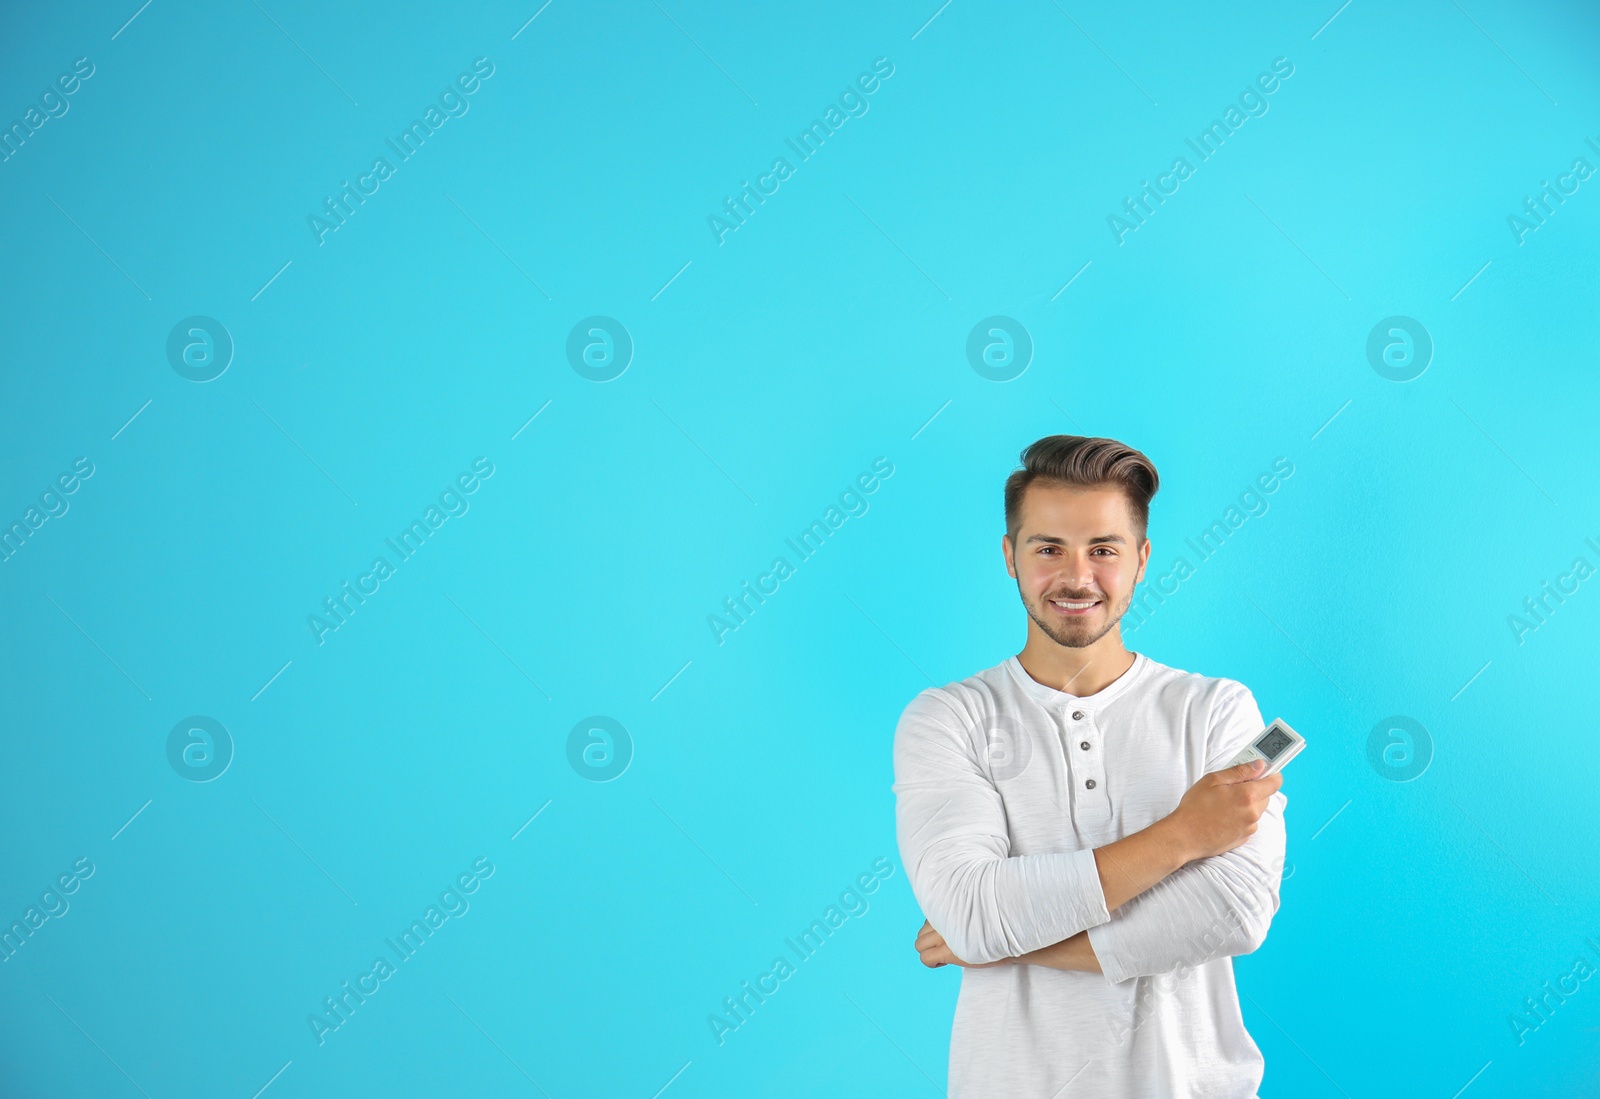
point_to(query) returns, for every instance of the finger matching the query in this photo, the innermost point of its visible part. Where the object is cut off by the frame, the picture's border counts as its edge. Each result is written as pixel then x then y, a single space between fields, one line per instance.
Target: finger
pixel 929 938
pixel 1244 772
pixel 1261 789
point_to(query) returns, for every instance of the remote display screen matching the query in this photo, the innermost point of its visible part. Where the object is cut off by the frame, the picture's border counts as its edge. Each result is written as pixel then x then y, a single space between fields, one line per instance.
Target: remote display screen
pixel 1274 742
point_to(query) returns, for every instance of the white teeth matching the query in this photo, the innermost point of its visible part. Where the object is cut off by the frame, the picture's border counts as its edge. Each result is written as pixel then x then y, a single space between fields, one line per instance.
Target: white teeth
pixel 1074 606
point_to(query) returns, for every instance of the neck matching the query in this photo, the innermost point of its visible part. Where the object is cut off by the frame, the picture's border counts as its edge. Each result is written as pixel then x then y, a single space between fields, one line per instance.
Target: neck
pixel 1080 672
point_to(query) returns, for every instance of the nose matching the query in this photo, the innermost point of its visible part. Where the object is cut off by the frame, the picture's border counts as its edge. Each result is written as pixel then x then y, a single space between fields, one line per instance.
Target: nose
pixel 1077 574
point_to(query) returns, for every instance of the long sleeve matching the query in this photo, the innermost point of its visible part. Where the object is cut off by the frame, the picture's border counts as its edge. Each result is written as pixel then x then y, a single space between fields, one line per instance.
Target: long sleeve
pixel 1213 907
pixel 951 827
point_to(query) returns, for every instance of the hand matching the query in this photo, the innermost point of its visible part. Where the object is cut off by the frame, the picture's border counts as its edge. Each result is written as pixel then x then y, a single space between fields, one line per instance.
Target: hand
pixel 935 953
pixel 1223 809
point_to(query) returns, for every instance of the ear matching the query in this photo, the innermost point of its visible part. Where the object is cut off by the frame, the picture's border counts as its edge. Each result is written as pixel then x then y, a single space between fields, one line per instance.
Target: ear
pixel 1144 560
pixel 1006 551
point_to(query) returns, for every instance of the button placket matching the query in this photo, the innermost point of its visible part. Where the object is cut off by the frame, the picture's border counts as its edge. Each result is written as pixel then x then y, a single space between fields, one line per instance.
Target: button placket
pixel 1096 798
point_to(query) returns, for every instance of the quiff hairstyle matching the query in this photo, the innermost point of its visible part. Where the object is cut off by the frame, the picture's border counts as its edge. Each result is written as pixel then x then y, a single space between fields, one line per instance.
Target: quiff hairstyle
pixel 1084 462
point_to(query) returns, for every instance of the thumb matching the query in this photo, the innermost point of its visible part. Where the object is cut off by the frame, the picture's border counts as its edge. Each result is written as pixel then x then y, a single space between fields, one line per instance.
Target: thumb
pixel 1244 772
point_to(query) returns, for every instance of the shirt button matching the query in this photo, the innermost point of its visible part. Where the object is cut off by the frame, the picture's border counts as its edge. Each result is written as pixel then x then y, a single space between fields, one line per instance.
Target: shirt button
pixel 1077 715
pixel 1090 784
pixel 1084 744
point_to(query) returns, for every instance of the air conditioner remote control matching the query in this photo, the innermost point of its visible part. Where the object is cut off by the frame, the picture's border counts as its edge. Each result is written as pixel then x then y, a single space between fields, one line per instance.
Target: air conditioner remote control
pixel 1277 744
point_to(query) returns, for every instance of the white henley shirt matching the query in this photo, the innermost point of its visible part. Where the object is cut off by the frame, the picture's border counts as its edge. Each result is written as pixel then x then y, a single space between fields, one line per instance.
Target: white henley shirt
pixel 1003 789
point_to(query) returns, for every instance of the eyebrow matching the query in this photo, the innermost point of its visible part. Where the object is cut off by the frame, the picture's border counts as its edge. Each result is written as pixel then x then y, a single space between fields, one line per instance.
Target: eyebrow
pixel 1053 540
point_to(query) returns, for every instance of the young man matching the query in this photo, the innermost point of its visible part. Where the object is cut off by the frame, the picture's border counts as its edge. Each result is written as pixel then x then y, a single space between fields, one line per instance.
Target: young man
pixel 1069 831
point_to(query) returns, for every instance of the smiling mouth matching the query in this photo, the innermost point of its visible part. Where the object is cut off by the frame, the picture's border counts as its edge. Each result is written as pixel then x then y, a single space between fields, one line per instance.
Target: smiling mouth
pixel 1074 608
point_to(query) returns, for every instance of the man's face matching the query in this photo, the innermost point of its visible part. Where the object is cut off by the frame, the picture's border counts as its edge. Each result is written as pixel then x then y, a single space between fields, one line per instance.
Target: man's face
pixel 1076 546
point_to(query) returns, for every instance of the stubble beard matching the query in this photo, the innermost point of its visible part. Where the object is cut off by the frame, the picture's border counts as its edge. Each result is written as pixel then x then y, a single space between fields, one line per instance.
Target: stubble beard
pixel 1075 636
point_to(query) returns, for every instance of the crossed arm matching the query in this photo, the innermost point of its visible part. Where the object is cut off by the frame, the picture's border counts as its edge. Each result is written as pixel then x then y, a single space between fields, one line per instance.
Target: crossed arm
pixel 1075 952
pixel 1139 906
pixel 1207 908
pixel 1125 869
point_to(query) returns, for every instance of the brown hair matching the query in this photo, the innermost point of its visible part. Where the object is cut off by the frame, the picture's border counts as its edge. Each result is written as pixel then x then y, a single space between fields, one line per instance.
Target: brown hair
pixel 1087 462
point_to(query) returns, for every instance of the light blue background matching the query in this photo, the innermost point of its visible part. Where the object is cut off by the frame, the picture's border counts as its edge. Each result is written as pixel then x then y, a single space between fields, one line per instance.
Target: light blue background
pixel 830 330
